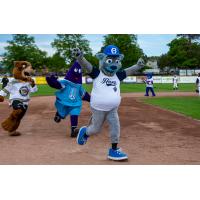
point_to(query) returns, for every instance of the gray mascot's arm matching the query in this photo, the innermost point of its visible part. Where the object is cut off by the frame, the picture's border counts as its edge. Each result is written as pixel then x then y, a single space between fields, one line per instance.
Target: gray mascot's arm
pixel 78 54
pixel 130 71
pixel 85 64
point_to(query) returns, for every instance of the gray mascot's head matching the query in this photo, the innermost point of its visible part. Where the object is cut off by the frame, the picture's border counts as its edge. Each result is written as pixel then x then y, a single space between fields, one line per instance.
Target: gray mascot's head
pixel 110 60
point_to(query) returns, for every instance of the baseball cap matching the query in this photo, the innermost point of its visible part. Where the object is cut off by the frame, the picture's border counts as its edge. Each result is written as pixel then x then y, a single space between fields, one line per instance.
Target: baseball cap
pixel 111 50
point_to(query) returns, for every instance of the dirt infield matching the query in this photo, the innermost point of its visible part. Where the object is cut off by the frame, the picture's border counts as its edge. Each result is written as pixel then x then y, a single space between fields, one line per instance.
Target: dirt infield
pixel 149 135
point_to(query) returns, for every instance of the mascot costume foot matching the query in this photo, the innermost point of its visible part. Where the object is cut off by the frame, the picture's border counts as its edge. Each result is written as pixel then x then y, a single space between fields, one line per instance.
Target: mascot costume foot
pixel 105 96
pixel 69 96
pixel 19 90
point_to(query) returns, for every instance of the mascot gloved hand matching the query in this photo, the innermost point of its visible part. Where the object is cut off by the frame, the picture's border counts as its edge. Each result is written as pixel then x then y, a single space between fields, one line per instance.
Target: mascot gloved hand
pixel 69 95
pixel 76 52
pixel 140 62
pixel 52 80
pixel 31 81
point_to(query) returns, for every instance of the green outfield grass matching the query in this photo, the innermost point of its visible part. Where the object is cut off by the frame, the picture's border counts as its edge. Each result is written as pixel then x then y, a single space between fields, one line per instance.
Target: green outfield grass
pixel 45 90
pixel 189 106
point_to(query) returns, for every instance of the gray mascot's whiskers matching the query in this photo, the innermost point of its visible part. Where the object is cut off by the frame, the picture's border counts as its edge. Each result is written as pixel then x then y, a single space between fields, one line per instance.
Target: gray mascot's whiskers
pixel 105 96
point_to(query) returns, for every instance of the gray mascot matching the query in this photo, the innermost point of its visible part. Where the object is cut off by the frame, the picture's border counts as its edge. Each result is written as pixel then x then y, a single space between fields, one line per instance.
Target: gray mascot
pixel 105 95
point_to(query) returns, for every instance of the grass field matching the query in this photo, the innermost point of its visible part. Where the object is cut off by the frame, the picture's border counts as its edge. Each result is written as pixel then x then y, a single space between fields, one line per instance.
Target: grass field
pixel 45 90
pixel 189 106
pixel 186 105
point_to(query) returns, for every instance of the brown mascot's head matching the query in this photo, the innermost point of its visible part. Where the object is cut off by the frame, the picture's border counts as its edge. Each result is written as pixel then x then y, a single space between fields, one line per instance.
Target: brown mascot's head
pixel 22 70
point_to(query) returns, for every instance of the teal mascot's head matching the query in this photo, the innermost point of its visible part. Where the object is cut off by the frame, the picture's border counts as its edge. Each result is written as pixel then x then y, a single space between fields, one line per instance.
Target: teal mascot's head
pixel 110 60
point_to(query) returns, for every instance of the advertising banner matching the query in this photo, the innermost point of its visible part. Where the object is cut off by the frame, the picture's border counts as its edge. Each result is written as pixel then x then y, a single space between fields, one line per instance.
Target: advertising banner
pixel 167 79
pixel 40 80
pixel 157 79
pixel 188 79
pixel 130 79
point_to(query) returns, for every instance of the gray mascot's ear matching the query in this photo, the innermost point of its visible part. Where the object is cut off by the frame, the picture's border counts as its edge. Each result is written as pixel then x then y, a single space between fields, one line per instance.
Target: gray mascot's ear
pixel 100 56
pixel 121 56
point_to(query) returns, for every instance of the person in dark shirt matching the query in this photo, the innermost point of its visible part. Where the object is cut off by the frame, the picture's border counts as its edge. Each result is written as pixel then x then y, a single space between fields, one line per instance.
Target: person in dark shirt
pixel 4 81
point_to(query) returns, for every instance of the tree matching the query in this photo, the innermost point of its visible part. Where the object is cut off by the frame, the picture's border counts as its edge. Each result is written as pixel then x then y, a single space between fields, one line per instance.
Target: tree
pixel 56 63
pixel 181 54
pixel 92 59
pixel 190 37
pixel 128 46
pixel 163 61
pixel 65 42
pixel 23 47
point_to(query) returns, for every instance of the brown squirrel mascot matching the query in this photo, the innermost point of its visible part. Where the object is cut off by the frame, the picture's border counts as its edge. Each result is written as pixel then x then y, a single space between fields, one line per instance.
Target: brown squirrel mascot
pixel 19 90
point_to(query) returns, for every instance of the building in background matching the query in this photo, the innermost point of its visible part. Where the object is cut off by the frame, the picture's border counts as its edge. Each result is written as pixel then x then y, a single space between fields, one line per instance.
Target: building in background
pixel 152 64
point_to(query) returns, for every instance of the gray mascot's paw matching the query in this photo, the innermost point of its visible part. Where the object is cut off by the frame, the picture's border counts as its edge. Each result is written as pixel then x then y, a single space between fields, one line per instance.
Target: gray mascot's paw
pixel 76 52
pixel 140 62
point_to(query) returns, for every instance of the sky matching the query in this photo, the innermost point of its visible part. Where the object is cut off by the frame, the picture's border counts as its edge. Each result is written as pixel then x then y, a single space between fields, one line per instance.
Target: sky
pixel 152 44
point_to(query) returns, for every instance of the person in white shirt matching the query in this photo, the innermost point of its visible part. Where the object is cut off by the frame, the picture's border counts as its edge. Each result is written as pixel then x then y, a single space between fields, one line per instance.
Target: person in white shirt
pixel 105 96
pixel 18 90
pixel 175 82
pixel 198 84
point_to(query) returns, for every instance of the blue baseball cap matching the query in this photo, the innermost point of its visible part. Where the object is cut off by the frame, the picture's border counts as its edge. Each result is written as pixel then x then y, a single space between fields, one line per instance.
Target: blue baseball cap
pixel 111 50
pixel 149 75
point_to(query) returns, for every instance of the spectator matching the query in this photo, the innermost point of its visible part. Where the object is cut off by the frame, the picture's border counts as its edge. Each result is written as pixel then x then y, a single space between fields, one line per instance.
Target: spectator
pixel 4 81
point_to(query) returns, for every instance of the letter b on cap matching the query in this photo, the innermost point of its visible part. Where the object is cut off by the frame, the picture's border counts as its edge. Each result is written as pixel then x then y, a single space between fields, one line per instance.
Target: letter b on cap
pixel 113 50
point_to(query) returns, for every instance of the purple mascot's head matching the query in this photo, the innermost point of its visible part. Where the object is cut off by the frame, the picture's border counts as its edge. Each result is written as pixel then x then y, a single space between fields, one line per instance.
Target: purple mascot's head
pixel 74 74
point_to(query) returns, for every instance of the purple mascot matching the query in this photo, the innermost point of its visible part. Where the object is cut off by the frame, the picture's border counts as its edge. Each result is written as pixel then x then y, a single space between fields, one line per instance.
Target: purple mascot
pixel 69 96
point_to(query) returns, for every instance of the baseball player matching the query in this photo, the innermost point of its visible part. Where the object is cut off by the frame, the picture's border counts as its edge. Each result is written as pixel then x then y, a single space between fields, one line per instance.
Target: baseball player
pixel 175 82
pixel 198 84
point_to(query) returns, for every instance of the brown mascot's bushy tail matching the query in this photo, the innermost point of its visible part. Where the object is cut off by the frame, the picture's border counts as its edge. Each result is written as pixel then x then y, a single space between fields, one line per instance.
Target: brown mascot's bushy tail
pixel 12 122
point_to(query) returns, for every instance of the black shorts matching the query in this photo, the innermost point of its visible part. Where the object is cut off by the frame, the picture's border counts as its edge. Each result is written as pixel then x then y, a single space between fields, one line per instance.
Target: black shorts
pixel 16 104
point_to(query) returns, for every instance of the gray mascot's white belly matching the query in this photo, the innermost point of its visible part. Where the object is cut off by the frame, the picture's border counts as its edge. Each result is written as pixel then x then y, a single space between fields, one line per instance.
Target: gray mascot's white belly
pixel 105 94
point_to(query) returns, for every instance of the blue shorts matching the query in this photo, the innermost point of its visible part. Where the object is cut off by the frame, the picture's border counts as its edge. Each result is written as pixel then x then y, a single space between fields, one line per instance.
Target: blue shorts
pixel 63 110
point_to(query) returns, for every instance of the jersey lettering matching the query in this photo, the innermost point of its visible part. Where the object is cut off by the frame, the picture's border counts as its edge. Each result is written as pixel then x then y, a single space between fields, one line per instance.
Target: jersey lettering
pixel 109 82
pixel 72 94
